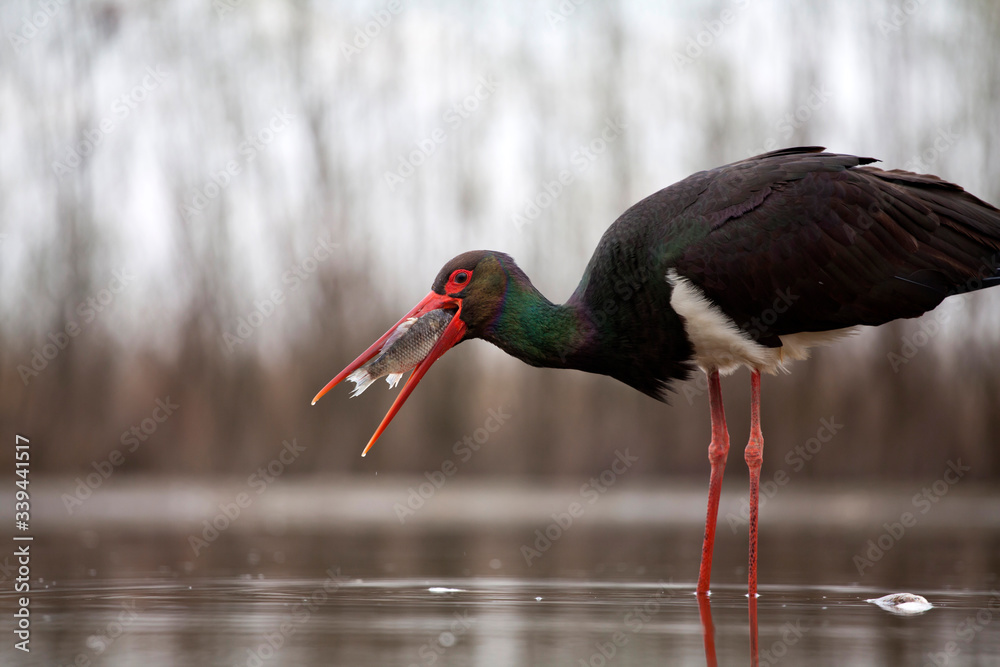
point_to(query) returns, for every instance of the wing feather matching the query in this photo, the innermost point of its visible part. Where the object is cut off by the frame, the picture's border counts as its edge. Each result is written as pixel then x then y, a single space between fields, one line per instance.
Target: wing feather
pixel 852 244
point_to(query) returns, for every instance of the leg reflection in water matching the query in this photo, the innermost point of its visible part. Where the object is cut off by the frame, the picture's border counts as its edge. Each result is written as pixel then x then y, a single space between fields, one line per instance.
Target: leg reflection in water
pixel 708 629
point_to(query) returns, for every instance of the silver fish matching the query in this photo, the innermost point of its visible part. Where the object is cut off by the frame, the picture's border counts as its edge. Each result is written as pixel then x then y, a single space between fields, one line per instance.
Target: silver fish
pixel 408 345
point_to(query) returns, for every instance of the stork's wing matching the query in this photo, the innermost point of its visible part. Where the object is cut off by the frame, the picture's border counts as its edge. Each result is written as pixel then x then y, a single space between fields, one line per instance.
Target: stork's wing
pixel 832 243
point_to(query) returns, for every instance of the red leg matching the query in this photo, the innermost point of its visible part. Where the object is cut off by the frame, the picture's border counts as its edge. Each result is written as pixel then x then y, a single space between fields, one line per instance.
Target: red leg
pixel 755 457
pixel 718 450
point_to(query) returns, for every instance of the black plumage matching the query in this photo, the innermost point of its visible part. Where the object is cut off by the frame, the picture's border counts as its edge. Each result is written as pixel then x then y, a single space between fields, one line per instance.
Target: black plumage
pixel 846 244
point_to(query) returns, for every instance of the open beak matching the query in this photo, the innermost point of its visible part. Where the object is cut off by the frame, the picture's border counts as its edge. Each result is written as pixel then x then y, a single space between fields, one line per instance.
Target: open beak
pixel 453 333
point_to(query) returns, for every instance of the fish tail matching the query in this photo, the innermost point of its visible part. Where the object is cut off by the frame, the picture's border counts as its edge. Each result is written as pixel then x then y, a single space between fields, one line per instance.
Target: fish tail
pixel 362 379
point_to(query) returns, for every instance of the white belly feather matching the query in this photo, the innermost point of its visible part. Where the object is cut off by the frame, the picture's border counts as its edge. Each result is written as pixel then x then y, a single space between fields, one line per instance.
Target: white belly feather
pixel 720 345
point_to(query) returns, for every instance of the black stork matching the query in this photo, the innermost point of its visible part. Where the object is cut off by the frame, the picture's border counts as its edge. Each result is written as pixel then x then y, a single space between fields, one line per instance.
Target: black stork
pixel 749 264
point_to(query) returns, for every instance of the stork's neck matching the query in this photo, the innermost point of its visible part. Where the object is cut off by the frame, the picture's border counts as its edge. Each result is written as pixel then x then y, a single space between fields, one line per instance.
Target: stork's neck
pixel 537 331
pixel 615 324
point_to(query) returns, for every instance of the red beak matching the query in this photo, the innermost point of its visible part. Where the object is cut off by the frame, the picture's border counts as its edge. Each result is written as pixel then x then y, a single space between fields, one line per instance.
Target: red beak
pixel 453 333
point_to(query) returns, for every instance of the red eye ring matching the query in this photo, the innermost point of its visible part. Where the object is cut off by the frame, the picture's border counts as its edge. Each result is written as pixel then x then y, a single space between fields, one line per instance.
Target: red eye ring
pixel 458 280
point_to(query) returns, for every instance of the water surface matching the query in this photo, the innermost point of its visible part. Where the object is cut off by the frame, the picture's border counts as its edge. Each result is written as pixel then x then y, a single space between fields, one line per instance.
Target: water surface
pixel 126 587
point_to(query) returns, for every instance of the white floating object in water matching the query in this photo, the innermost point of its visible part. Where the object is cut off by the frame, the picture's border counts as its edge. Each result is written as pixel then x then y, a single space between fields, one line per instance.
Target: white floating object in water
pixel 440 590
pixel 903 603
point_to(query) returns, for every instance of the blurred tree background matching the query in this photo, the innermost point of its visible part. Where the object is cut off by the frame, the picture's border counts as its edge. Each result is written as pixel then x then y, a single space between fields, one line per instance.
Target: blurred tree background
pixel 218 205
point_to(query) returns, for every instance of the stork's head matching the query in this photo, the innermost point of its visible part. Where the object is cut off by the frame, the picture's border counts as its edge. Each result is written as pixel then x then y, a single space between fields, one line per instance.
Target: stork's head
pixel 472 286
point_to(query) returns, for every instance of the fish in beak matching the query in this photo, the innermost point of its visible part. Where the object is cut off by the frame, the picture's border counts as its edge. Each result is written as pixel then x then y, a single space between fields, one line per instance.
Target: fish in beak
pixel 396 347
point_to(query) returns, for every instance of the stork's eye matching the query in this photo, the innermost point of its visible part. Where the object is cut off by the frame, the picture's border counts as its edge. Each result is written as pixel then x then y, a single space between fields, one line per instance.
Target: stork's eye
pixel 457 281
